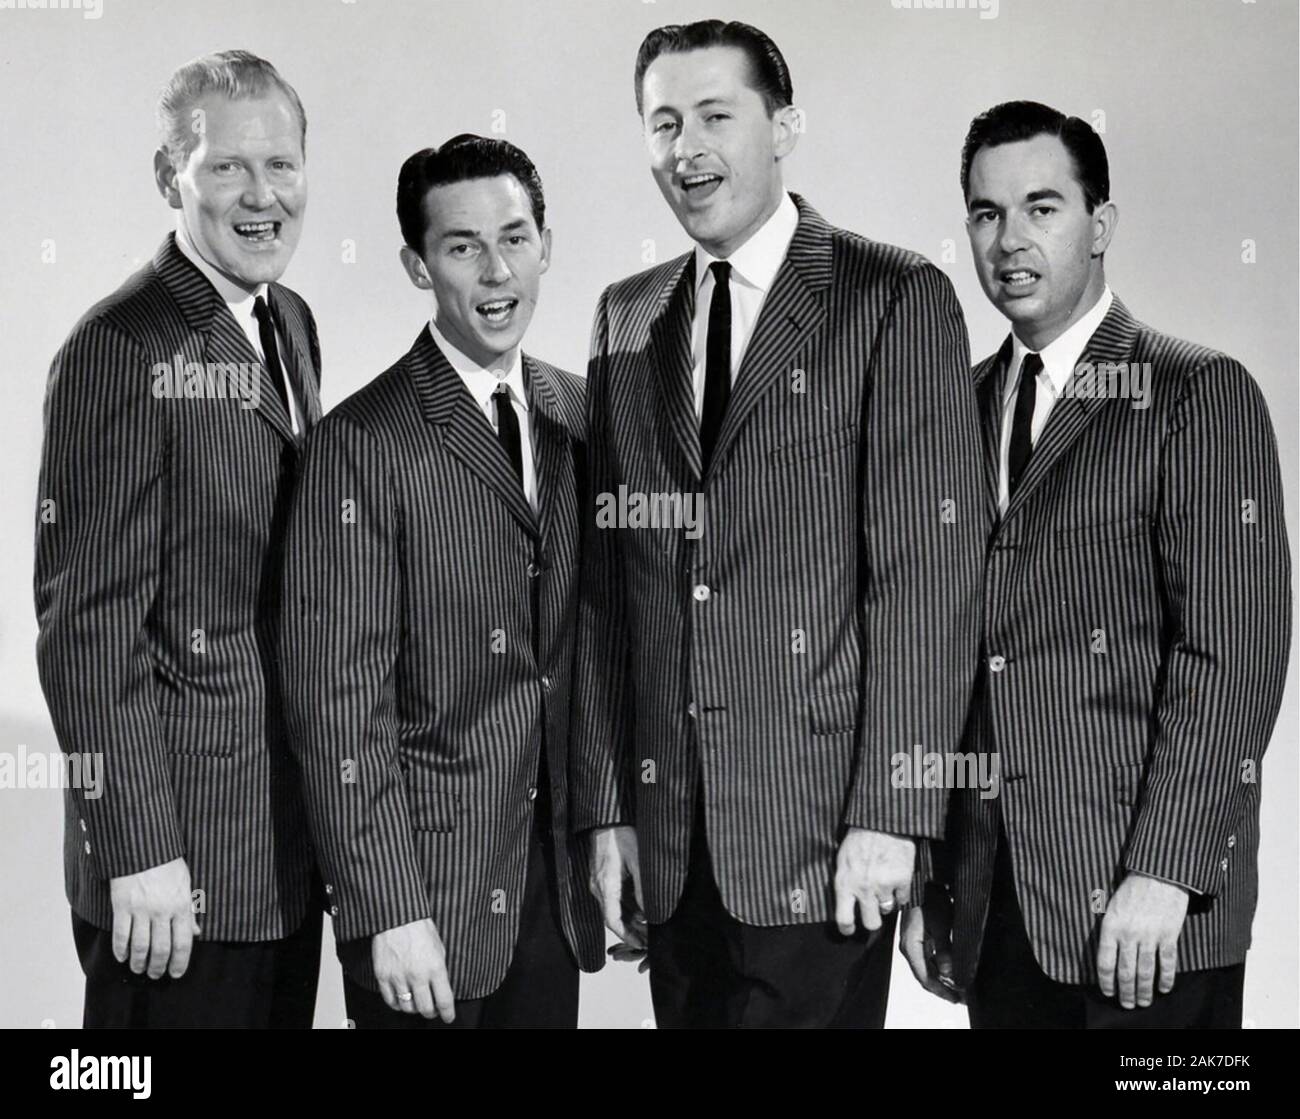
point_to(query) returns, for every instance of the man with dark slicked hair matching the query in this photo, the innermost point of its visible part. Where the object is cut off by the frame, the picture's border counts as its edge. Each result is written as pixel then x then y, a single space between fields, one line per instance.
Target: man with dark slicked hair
pixel 1136 630
pixel 745 682
pixel 428 640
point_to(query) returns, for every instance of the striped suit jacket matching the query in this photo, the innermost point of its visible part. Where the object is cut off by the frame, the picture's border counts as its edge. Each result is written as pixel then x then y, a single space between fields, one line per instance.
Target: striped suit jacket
pixel 158 546
pixel 1137 614
pixel 419 688
pixel 825 618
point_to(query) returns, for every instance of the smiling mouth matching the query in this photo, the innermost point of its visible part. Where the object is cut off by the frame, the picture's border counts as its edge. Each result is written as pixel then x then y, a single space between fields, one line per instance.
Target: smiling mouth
pixel 258 231
pixel 701 185
pixel 497 311
pixel 1015 279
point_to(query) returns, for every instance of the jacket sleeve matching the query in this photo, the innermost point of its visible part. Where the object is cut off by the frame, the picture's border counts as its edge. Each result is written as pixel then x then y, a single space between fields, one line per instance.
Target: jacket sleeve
pixel 924 535
pixel 1226 571
pixel 340 636
pixel 602 696
pixel 99 538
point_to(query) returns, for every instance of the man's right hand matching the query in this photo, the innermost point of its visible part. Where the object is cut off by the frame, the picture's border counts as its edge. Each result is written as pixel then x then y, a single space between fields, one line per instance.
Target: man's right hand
pixel 410 960
pixel 615 864
pixel 153 919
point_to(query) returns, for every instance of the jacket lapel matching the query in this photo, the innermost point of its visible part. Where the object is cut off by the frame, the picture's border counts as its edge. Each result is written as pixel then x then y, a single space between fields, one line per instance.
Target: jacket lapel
pixel 1111 342
pixel 464 431
pixel 670 336
pixel 206 313
pixel 298 344
pixel 989 377
pixel 791 311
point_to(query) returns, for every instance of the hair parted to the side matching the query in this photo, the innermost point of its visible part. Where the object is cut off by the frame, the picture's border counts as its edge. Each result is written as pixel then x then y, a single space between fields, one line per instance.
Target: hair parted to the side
pixel 237 75
pixel 461 158
pixel 1013 121
pixel 769 74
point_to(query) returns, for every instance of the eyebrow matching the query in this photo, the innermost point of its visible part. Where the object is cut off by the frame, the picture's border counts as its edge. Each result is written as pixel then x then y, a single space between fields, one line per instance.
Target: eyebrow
pixel 1032 196
pixel 704 103
pixel 474 234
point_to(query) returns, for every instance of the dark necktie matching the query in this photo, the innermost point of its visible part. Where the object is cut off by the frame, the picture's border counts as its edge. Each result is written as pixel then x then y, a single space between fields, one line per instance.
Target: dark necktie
pixel 1022 421
pixel 508 429
pixel 717 361
pixel 271 352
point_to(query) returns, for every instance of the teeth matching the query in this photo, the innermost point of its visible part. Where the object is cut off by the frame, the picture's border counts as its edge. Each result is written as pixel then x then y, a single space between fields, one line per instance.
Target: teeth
pixel 1018 277
pixel 256 230
pixel 696 180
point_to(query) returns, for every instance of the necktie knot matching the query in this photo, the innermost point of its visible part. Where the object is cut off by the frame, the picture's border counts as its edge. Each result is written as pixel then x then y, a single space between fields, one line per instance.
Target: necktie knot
pixel 721 270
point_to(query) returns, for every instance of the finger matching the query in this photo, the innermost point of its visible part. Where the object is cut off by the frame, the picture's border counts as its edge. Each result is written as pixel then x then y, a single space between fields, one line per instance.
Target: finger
pixel 422 996
pixel 442 995
pixel 1107 950
pixel 139 943
pixel 182 945
pixel 160 946
pixel 634 866
pixel 1168 965
pixel 388 992
pixel 121 934
pixel 903 893
pixel 870 908
pixel 1146 974
pixel 844 901
pixel 1126 973
pixel 612 908
pixel 912 945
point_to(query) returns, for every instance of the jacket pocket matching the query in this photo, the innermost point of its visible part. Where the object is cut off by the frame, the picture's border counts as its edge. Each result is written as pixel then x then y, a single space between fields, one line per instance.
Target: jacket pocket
pixel 834 712
pixel 199 736
pixel 431 809
pixel 818 445
pixel 1103 533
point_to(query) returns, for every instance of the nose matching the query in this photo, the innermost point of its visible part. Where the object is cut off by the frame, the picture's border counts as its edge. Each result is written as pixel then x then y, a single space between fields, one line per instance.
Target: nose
pixel 1011 237
pixel 687 146
pixel 495 268
pixel 259 194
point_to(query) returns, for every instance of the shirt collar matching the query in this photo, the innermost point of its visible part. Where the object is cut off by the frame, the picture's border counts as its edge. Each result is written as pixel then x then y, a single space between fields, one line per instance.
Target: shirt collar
pixel 237 299
pixel 756 262
pixel 482 382
pixel 1062 354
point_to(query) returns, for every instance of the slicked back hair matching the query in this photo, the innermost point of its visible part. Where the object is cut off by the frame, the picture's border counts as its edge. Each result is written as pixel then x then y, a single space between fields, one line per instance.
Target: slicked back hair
pixel 769 74
pixel 1013 121
pixel 461 158
pixel 238 75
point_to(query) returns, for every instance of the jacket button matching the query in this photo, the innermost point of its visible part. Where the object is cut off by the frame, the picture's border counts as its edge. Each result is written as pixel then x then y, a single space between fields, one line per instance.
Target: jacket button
pixel 532 792
pixel 701 592
pixel 692 710
pixel 547 682
pixel 1232 841
pixel 83 824
pixel 997 662
pixel 1223 865
pixel 334 910
pixel 328 888
pixel 533 571
pixel 87 847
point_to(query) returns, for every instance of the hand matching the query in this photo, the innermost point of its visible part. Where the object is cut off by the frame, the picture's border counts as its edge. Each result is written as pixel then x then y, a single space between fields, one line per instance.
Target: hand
pixel 925 940
pixel 616 865
pixel 1141 926
pixel 153 919
pixel 410 960
pixel 874 870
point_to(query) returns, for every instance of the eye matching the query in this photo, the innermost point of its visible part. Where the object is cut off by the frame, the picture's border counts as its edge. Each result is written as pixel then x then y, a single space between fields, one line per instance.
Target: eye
pixel 517 239
pixel 224 167
pixel 1043 210
pixel 461 249
pixel 718 116
pixel 281 165
pixel 664 126
pixel 982 217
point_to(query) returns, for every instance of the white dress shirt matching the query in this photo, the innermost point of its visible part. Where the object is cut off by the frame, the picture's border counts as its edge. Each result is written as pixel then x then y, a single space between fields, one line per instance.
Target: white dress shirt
pixel 1060 356
pixel 241 303
pixel 753 268
pixel 481 384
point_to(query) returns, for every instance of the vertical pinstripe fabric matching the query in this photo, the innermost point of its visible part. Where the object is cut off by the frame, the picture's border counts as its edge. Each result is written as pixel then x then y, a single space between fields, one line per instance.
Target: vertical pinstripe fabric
pixel 156 591
pixel 418 691
pixel 843 528
pixel 1137 599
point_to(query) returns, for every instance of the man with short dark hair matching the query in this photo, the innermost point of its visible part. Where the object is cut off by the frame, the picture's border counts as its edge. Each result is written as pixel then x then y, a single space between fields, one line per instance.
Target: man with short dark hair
pixel 745 682
pixel 174 415
pixel 1136 629
pixel 428 631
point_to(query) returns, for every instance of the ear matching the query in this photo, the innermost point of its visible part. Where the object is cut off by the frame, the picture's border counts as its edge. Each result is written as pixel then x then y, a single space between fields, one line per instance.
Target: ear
pixel 1105 219
pixel 415 269
pixel 787 123
pixel 546 250
pixel 164 176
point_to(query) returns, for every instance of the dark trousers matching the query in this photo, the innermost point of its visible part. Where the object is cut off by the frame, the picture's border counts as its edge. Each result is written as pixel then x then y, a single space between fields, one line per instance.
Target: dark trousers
pixel 259 985
pixel 1011 991
pixel 540 990
pixel 711 971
